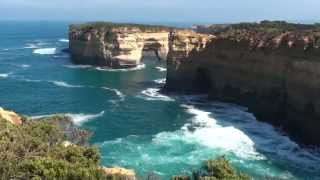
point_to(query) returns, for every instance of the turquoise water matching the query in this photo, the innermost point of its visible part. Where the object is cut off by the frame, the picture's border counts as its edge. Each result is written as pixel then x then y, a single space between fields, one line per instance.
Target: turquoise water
pixel 134 125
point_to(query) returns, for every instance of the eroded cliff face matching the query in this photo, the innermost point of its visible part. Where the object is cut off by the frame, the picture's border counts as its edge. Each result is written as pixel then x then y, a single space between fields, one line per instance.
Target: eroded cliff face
pixel 116 46
pixel 276 77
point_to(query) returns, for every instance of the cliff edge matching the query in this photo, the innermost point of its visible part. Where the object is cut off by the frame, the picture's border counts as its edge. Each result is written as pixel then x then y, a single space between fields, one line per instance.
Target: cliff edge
pixel 273 68
pixel 123 45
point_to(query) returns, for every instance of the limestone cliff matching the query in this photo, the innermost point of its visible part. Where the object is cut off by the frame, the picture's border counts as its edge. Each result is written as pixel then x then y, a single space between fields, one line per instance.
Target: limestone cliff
pixel 273 71
pixel 10 116
pixel 116 45
pixel 123 45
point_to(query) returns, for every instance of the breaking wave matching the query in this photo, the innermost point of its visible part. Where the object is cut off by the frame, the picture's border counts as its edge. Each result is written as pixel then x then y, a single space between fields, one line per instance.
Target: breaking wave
pixel 153 94
pixel 64 40
pixel 64 84
pixel 117 92
pixel 31 46
pixel 161 69
pixel 77 119
pixel 5 75
pixel 45 51
pixel 160 81
pixel 138 67
pixel 208 133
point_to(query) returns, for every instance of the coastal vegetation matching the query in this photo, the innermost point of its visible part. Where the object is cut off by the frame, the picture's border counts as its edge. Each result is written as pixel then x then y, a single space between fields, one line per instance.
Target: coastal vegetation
pixel 53 148
pixel 37 150
pixel 215 169
pixel 111 25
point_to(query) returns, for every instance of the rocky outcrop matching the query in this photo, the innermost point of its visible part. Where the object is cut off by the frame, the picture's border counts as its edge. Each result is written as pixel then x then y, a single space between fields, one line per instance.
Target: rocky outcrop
pixel 116 45
pixel 119 173
pixel 123 45
pixel 276 74
pixel 10 116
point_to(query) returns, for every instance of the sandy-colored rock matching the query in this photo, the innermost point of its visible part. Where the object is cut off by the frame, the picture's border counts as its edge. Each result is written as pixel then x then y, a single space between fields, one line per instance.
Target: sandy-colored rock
pixel 120 173
pixel 10 116
pixel 124 46
pixel 67 144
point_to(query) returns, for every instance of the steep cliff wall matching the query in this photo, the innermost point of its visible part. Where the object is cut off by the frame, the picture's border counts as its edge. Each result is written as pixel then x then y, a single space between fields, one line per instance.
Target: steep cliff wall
pixel 116 45
pixel 123 45
pixel 276 75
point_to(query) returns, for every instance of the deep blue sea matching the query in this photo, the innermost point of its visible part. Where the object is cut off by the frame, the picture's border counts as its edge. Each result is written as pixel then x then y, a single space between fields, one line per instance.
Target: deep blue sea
pixel 134 125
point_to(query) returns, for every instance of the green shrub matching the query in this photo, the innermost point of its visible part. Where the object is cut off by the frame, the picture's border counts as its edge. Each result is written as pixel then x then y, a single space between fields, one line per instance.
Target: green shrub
pixel 34 150
pixel 220 168
pixel 216 169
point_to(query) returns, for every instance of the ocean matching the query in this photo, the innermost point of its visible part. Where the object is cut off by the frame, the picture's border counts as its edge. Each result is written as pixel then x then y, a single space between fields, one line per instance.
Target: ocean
pixel 134 125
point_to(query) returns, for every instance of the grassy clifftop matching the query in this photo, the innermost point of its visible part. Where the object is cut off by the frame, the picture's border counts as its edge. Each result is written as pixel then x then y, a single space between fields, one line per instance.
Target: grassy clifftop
pixel 270 27
pixel 111 25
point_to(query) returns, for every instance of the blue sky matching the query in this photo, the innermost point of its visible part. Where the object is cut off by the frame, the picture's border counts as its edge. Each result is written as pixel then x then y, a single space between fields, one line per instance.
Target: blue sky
pixel 214 11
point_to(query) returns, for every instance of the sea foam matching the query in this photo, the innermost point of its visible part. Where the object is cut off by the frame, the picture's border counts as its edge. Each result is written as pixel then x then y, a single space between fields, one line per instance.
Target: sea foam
pixel 5 75
pixel 161 69
pixel 138 67
pixel 153 94
pixel 65 84
pixel 45 51
pixel 77 119
pixel 160 81
pixel 117 92
pixel 64 40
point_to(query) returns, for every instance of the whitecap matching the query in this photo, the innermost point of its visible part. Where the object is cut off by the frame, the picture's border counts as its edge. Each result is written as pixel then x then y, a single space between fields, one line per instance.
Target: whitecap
pixel 4 75
pixel 64 40
pixel 138 67
pixel 160 81
pixel 117 92
pixel 161 69
pixel 24 65
pixel 153 94
pixel 45 51
pixel 64 84
pixel 79 119
pixel 208 133
pixel 31 46
pixel 31 80
pixel 77 66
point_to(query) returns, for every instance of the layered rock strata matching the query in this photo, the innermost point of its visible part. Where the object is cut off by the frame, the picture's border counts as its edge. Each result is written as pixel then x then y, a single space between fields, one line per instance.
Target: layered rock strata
pixel 276 74
pixel 123 45
pixel 116 45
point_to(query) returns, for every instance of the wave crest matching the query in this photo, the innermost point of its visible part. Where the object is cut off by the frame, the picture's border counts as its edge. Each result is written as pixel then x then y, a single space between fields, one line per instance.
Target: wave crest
pixel 45 51
pixel 64 40
pixel 79 119
pixel 161 69
pixel 160 81
pixel 5 75
pixel 64 84
pixel 153 94
pixel 138 67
